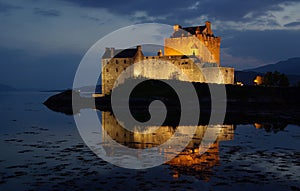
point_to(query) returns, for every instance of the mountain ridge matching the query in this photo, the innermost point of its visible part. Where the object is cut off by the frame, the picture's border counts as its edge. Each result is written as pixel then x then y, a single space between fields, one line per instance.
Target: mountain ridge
pixel 290 66
pixel 4 87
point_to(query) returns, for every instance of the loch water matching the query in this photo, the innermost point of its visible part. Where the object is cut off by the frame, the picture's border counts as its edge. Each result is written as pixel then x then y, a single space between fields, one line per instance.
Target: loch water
pixel 43 150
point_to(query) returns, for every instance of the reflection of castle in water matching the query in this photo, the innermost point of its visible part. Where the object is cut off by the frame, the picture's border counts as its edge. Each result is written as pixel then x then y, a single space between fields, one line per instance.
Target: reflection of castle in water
pixel 189 160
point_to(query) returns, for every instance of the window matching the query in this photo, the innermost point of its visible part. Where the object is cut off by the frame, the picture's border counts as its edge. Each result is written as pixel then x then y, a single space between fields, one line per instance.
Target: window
pixel 117 61
pixel 117 70
pixel 107 70
pixel 124 61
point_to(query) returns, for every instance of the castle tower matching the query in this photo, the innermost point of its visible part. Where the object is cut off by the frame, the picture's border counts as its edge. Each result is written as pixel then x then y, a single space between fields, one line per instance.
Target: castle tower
pixel 205 45
pixel 114 62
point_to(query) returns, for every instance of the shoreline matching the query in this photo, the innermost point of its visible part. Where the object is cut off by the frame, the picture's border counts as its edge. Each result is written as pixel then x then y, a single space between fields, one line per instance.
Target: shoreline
pixel 247 104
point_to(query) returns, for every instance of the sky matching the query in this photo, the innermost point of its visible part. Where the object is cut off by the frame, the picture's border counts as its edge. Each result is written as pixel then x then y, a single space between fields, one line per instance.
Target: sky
pixel 43 41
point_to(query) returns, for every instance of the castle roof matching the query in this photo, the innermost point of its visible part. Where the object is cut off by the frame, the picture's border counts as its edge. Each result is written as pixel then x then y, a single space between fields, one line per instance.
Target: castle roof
pixel 120 53
pixel 186 31
pixel 189 31
pixel 192 30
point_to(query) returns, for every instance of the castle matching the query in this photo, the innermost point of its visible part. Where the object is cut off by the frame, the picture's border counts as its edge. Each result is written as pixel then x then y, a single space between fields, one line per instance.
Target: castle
pixel 194 50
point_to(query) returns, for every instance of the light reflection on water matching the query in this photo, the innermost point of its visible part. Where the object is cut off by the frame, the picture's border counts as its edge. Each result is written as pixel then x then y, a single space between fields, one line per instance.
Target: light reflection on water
pixel 149 137
pixel 42 150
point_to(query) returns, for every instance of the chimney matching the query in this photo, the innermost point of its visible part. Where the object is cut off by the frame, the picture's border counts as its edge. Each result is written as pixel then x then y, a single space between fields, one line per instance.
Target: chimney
pixel 139 48
pixel 112 52
pixel 139 54
pixel 208 26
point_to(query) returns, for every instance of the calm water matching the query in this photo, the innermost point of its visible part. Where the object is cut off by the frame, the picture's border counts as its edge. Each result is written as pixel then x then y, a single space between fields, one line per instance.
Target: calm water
pixel 42 150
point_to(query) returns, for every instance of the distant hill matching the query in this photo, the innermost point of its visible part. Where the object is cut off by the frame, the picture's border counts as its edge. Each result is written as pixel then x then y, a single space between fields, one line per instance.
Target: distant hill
pixel 6 88
pixel 288 67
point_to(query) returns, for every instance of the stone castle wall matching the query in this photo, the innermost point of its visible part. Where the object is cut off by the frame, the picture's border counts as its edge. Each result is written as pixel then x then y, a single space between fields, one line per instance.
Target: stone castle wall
pixel 165 68
pixel 156 68
pixel 219 75
pixel 111 70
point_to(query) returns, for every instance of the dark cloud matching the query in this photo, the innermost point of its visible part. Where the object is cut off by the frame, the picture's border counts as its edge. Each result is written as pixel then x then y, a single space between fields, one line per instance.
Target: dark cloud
pixel 46 13
pixel 292 24
pixel 92 18
pixel 178 11
pixel 5 7
pixel 268 45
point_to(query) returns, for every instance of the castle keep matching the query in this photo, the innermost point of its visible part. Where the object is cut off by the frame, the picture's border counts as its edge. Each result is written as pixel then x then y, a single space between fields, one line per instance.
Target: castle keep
pixel 199 41
pixel 195 51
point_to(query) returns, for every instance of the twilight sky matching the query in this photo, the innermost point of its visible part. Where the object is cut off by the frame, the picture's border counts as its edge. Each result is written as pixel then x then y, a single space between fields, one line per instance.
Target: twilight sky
pixel 43 41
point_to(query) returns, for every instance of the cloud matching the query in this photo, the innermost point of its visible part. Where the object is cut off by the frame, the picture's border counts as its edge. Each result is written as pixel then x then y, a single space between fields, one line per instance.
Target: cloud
pixel 92 18
pixel 74 30
pixel 195 6
pixel 292 24
pixel 6 7
pixel 236 10
pixel 36 48
pixel 231 14
pixel 268 45
pixel 47 13
pixel 179 11
pixel 142 17
pixel 272 19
